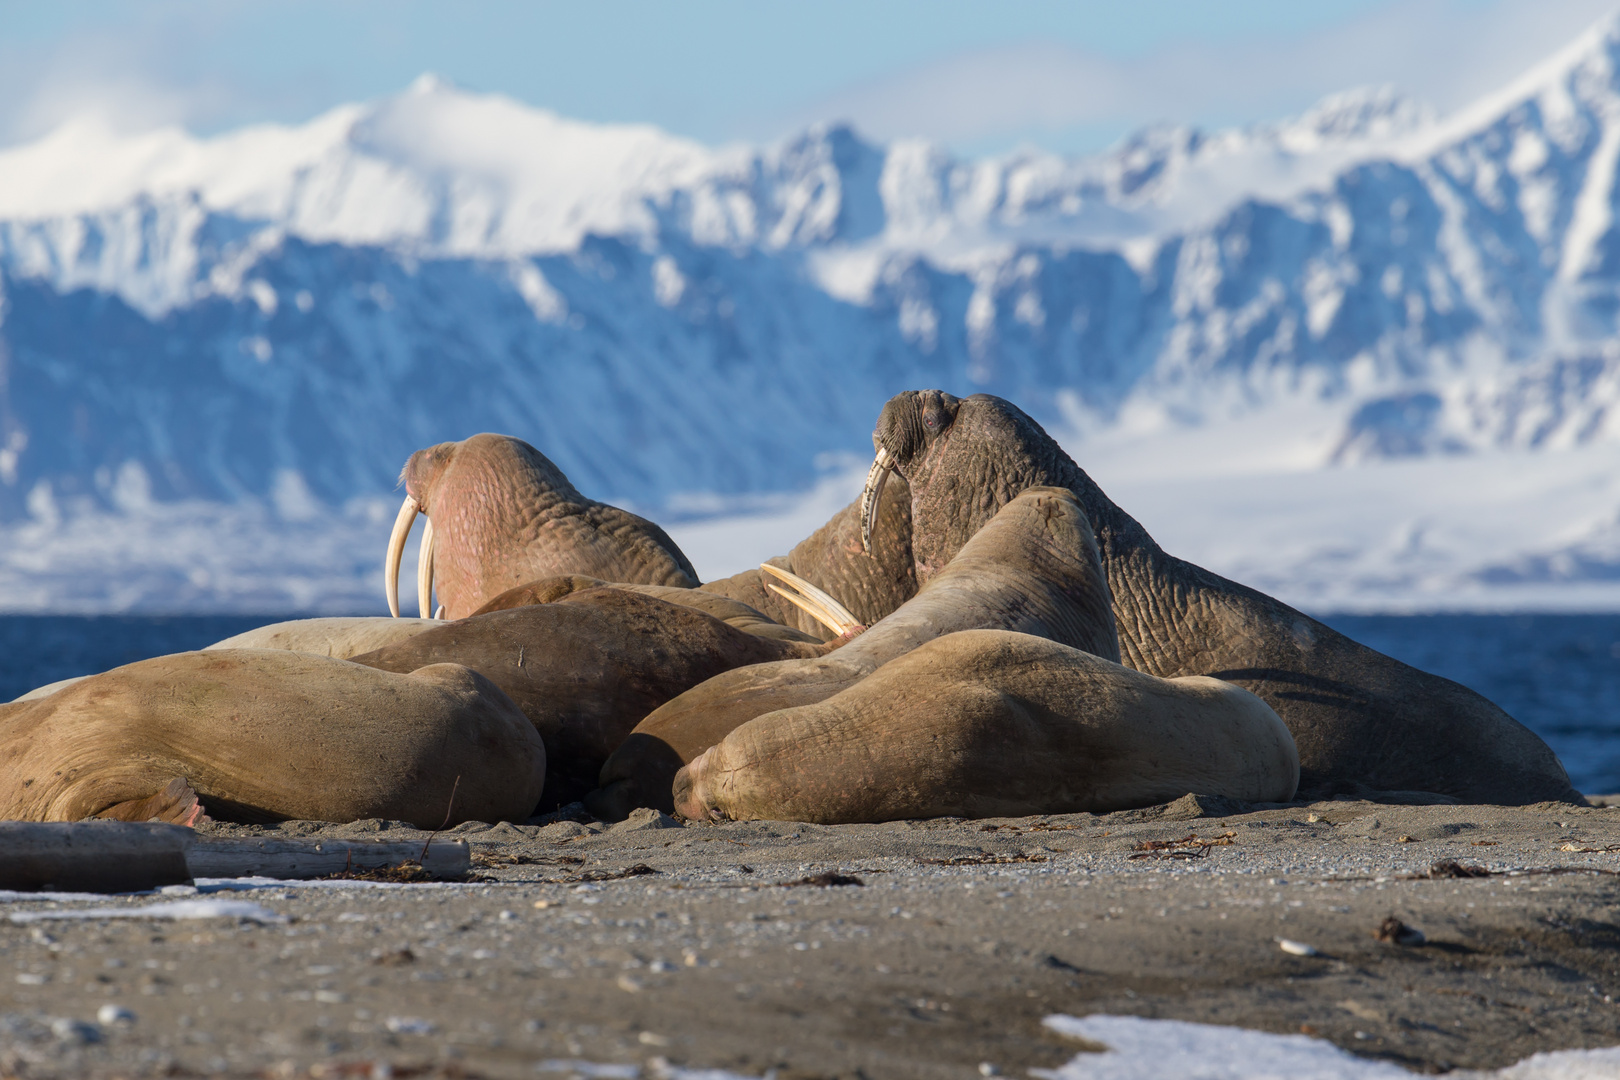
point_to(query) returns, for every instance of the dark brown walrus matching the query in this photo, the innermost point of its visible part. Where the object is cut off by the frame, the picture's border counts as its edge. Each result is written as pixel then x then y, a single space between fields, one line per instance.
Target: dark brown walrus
pixel 1362 721
pixel 501 514
pixel 870 581
pixel 265 735
pixel 987 723
pixel 588 666
pixel 1032 569
pixel 733 613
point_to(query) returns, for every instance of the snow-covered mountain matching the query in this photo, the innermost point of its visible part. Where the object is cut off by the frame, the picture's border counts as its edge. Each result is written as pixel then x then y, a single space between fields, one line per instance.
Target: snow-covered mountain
pixel 251 332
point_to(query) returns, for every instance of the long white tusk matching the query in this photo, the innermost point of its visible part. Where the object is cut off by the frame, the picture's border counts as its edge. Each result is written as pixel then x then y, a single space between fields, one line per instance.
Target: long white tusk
pixel 876 477
pixel 424 572
pixel 817 604
pixel 396 552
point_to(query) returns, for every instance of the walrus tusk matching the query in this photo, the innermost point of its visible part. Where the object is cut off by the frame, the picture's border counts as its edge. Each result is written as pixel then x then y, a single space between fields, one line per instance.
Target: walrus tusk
pixel 396 551
pixel 876 477
pixel 424 572
pixel 819 605
pixel 439 614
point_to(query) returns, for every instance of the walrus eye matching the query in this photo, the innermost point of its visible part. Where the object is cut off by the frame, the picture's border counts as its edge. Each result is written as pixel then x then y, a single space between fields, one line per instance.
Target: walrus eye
pixel 935 419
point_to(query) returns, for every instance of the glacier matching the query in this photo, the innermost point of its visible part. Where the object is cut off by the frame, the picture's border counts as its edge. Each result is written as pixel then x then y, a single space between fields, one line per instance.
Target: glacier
pixel 1365 358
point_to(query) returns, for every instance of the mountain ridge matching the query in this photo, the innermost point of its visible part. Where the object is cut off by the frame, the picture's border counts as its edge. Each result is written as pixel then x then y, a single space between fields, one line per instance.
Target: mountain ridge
pixel 278 316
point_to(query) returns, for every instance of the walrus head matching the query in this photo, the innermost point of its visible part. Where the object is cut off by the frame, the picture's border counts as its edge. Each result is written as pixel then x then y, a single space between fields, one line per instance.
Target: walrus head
pixel 964 459
pixel 906 430
pixel 501 514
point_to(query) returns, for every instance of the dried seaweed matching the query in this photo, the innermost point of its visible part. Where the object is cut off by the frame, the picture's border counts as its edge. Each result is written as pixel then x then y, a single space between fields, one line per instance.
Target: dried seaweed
pixel 983 859
pixel 1188 847
pixel 589 876
pixel 824 880
pixel 495 860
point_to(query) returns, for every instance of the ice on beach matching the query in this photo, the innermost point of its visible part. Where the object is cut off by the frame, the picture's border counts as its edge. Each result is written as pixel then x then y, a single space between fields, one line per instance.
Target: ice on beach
pixel 248 884
pixel 1142 1049
pixel 409 1025
pixel 205 886
pixel 657 1069
pixel 180 909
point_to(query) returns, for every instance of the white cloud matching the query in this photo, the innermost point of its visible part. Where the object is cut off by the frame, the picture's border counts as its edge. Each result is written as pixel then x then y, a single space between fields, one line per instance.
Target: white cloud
pixel 140 68
pixel 1445 52
pixel 211 66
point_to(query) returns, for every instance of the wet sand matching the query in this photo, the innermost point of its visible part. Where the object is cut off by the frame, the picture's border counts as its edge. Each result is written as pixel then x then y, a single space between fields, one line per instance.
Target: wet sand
pixel 659 946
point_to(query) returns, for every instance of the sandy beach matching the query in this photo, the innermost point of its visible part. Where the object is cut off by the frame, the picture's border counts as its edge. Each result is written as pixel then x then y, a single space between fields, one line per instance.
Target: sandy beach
pixel 912 949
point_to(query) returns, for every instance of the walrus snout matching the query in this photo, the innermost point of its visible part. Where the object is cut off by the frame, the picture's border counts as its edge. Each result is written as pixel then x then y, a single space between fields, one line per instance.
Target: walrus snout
pixel 691 791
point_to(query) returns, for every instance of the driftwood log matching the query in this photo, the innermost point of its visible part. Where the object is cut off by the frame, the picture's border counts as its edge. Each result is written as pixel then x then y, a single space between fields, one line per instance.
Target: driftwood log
pixel 122 856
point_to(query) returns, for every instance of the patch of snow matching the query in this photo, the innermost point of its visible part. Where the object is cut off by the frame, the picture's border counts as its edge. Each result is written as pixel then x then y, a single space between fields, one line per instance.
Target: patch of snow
pixel 1143 1049
pixel 176 910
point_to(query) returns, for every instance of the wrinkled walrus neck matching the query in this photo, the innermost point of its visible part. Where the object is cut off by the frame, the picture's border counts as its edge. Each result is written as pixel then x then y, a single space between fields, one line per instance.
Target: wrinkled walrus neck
pixel 955 494
pixel 871 578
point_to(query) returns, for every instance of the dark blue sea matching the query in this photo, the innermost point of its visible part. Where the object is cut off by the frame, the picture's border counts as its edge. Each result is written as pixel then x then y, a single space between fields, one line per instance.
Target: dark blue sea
pixel 1557 674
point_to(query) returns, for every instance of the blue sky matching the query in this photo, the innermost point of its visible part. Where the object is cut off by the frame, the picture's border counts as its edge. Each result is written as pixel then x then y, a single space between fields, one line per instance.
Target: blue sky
pixel 980 77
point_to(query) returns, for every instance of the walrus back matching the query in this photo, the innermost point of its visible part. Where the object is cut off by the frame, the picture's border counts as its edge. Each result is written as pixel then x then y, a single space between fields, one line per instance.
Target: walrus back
pixel 266 735
pixel 337 637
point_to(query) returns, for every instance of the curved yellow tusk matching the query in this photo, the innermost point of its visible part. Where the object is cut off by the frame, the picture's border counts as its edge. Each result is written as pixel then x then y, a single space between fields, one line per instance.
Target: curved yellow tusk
pixel 876 477
pixel 819 605
pixel 396 552
pixel 424 572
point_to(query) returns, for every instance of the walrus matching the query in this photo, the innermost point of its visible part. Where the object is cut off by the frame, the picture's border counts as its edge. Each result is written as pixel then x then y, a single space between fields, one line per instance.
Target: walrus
pixel 733 613
pixel 260 735
pixel 338 637
pixel 501 514
pixel 49 688
pixel 588 665
pixel 991 723
pixel 870 576
pixel 1034 568
pixel 1363 722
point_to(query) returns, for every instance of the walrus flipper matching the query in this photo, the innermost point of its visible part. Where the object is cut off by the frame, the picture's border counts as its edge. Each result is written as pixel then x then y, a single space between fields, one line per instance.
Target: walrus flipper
pixel 176 804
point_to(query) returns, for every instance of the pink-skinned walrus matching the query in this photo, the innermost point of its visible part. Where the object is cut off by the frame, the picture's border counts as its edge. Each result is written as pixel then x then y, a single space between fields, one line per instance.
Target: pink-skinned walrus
pixel 500 514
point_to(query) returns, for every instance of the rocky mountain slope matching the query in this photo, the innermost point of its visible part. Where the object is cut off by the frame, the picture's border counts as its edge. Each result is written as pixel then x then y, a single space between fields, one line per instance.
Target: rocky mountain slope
pixel 246 335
